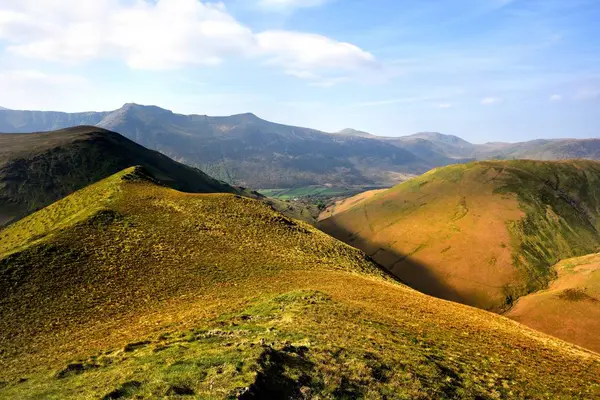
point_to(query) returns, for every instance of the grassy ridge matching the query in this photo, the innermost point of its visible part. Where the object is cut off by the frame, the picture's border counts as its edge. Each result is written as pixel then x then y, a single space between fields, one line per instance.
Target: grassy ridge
pixel 38 169
pixel 484 233
pixel 159 293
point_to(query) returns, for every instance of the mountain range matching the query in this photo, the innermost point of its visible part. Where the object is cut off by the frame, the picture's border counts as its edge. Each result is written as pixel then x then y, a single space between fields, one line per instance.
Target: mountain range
pixel 246 150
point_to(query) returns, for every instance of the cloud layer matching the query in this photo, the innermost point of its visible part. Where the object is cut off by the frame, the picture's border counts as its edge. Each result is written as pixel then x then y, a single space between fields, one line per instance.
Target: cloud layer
pixel 164 34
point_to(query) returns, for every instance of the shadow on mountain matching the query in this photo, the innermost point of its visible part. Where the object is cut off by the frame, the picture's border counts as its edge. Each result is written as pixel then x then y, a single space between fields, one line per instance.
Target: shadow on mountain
pixel 400 266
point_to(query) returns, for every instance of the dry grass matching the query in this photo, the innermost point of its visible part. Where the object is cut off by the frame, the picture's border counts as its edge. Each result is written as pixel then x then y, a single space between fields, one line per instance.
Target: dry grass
pixel 570 308
pixel 160 293
pixel 482 233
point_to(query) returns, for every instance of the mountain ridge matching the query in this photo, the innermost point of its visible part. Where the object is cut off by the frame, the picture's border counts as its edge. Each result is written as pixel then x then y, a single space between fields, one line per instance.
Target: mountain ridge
pixel 246 150
pixel 36 169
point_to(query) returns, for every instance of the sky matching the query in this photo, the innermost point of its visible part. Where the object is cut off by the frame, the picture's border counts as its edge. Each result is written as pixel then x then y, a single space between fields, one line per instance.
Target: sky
pixel 485 70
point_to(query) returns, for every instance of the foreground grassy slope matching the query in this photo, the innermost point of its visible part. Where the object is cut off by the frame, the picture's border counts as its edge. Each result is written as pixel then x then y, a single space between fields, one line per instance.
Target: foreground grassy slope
pixel 570 307
pixel 482 233
pixel 40 168
pixel 153 292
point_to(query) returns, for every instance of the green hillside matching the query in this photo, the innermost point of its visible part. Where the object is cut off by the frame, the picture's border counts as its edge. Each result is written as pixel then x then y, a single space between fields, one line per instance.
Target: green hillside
pixel 127 289
pixel 482 233
pixel 38 169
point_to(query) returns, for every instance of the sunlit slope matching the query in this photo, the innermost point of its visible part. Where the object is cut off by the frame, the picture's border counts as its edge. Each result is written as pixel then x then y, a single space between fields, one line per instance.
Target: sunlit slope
pixel 131 290
pixel 483 233
pixel 570 308
pixel 36 169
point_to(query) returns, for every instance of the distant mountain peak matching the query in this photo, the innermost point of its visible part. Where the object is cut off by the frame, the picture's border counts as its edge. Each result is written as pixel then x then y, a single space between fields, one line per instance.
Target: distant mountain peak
pixel 4 108
pixel 354 132
pixel 439 137
pixel 247 116
pixel 135 106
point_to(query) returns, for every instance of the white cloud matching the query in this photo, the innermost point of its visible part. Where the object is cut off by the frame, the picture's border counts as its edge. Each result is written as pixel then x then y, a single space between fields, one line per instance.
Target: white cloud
pixel 555 97
pixel 305 51
pixel 162 34
pixel 329 82
pixel 445 105
pixel 491 100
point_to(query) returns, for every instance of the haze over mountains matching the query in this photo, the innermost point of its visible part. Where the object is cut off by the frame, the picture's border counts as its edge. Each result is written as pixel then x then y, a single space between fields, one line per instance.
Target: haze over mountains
pixel 248 151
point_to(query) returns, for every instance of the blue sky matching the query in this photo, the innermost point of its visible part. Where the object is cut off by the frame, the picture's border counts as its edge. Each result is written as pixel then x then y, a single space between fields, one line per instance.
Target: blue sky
pixel 486 70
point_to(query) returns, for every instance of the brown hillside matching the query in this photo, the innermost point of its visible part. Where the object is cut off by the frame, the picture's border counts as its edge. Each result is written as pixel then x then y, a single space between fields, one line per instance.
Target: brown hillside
pixel 570 308
pixel 482 233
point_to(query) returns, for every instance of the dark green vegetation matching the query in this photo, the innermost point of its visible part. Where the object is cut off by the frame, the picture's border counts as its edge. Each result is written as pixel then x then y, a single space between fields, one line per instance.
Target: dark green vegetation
pixel 316 192
pixel 126 289
pixel 561 202
pixel 483 233
pixel 38 169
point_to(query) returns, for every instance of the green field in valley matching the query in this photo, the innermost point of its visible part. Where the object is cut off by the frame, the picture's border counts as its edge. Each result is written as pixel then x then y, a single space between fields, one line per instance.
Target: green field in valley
pixel 313 191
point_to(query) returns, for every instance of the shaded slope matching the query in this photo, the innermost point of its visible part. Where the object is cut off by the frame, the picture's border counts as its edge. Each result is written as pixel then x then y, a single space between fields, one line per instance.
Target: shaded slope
pixel 249 151
pixel 482 233
pixel 38 169
pixel 250 305
pixel 570 307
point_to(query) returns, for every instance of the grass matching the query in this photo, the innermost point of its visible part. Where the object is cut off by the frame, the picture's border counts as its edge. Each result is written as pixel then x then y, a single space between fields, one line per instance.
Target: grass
pixel 41 168
pixel 491 230
pixel 316 192
pixel 160 293
pixel 570 307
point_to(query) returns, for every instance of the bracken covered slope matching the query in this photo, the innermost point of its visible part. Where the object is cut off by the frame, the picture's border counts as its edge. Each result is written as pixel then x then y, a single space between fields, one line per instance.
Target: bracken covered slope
pixel 39 168
pixel 126 289
pixel 570 307
pixel 483 233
